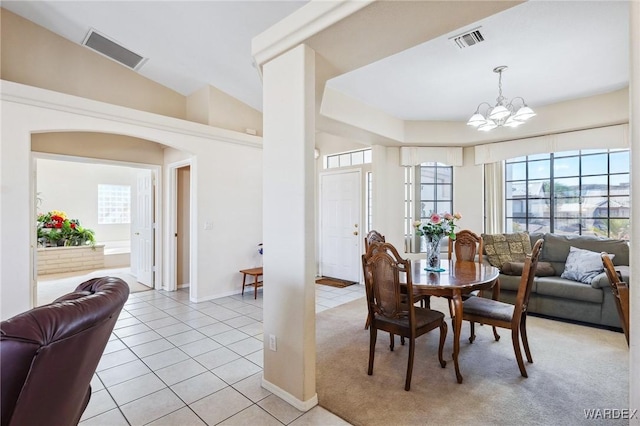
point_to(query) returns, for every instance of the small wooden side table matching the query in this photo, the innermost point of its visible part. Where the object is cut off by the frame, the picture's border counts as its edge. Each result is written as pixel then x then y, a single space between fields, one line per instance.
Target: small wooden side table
pixel 256 273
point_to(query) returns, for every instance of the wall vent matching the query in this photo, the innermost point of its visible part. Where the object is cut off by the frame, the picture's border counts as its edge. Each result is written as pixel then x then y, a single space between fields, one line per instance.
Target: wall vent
pixel 468 38
pixel 109 48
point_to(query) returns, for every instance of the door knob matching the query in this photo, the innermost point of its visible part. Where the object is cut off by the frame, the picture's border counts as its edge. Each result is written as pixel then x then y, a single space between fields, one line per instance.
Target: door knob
pixel 137 233
pixel 355 232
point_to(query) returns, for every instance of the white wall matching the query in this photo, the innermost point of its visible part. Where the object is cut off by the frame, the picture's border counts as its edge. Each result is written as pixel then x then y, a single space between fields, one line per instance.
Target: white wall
pixel 388 194
pixel 584 113
pixel 99 146
pixel 227 181
pixel 227 188
pixel 73 188
pixel 468 193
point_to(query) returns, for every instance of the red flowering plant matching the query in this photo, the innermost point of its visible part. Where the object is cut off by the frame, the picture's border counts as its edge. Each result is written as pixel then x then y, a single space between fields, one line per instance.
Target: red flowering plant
pixel 56 229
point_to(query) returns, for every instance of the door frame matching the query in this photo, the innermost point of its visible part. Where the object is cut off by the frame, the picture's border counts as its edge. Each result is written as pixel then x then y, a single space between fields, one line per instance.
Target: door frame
pixel 358 171
pixel 156 171
pixel 172 255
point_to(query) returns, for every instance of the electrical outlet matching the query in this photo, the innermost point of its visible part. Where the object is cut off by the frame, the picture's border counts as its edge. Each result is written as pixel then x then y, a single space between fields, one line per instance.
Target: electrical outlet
pixel 272 342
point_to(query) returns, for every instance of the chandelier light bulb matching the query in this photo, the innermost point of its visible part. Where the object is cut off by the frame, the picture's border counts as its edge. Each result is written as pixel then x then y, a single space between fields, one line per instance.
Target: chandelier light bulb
pixel 512 122
pixel 499 112
pixel 524 113
pixel 488 125
pixel 476 120
pixel 504 113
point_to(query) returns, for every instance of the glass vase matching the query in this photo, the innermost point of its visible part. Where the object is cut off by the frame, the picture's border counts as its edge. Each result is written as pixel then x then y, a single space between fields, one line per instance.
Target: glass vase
pixel 432 243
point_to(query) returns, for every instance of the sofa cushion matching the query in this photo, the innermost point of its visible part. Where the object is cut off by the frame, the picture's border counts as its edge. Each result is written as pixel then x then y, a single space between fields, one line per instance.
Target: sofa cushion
pixel 602 281
pixel 566 289
pixel 511 283
pixel 502 248
pixel 556 248
pixel 544 269
pixel 583 265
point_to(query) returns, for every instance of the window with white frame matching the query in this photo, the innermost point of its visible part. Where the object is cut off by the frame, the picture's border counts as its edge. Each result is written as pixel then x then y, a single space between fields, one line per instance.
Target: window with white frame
pixel 369 201
pixel 346 159
pixel 574 192
pixel 114 204
pixel 431 186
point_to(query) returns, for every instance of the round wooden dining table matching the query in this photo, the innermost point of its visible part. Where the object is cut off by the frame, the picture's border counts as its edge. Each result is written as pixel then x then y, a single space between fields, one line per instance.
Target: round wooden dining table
pixel 458 278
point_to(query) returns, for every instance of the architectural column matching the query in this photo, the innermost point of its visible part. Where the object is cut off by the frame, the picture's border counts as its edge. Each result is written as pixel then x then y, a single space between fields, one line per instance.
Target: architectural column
pixel 289 227
pixel 634 127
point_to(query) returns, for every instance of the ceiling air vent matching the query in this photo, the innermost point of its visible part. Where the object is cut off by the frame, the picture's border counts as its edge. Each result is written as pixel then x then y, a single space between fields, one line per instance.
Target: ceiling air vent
pixel 112 50
pixel 468 38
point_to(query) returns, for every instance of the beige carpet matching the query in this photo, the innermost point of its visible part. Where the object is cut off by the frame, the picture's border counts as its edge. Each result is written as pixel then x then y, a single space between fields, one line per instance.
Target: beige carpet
pixel 575 368
pixel 50 287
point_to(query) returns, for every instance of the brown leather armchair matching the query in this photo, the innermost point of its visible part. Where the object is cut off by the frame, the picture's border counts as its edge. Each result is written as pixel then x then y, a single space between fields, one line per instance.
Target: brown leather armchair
pixel 48 355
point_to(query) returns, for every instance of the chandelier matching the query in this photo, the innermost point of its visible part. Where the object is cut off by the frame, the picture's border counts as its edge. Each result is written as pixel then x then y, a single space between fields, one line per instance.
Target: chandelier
pixel 505 113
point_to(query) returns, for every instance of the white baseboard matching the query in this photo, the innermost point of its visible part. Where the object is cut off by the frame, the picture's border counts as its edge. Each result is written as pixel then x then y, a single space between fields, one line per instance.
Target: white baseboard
pixel 215 296
pixel 290 399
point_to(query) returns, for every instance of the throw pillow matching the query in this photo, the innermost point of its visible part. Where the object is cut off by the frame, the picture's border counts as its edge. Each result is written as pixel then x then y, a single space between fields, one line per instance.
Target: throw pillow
pixel 544 269
pixel 503 248
pixel 583 265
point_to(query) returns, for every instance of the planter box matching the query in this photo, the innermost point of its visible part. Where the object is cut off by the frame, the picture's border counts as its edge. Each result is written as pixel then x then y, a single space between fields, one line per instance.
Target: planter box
pixel 55 260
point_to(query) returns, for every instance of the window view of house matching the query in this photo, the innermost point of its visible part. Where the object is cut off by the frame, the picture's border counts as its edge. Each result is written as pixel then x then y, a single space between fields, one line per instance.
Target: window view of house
pixel 433 189
pixel 436 189
pixel 574 192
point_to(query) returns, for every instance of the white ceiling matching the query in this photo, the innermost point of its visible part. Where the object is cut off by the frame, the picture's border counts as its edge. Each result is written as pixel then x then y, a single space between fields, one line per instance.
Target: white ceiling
pixel 555 50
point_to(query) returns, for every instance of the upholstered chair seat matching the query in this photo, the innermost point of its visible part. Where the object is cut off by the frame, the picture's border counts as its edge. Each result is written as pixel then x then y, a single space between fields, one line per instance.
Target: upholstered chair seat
pixel 488 308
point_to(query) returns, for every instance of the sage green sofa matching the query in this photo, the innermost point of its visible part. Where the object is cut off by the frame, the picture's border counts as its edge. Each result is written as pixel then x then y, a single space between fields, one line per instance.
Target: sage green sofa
pixel 562 298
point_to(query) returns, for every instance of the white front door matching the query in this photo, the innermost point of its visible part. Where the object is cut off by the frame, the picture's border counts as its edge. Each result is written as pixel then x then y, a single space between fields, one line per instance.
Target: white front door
pixel 340 230
pixel 142 229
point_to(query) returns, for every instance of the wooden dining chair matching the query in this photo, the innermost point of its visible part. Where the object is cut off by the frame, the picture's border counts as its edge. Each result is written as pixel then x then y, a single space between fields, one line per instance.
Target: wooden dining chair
pixel 505 315
pixel 620 291
pixel 392 310
pixel 466 246
pixel 373 236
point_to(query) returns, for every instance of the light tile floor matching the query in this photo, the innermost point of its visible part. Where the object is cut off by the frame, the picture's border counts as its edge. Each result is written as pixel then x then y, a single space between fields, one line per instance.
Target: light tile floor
pixel 173 362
